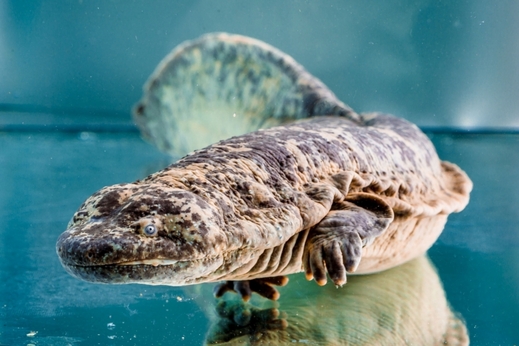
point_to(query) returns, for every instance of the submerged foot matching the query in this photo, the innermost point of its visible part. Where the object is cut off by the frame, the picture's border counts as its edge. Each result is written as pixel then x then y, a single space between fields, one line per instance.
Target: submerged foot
pixel 264 287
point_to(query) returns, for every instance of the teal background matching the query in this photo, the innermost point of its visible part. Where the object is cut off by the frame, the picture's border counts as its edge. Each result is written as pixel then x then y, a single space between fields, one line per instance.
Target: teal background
pixel 436 63
pixel 70 72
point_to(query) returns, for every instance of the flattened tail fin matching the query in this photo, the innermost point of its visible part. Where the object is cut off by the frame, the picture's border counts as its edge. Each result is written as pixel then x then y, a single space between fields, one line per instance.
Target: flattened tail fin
pixel 223 85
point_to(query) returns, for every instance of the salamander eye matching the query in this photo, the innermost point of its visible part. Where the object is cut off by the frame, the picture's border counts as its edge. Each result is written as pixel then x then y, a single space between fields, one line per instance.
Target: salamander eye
pixel 150 230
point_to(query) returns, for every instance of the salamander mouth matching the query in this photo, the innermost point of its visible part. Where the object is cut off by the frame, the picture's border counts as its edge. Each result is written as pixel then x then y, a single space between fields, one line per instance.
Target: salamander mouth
pixel 150 272
pixel 147 262
pixel 124 273
pixel 152 262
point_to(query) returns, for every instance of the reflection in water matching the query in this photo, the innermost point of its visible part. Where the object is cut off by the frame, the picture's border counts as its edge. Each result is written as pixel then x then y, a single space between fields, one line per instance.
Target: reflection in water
pixel 405 305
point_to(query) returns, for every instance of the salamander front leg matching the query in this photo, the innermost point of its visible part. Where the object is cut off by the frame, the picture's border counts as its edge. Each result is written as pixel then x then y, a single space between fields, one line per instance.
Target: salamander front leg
pixel 335 244
pixel 264 287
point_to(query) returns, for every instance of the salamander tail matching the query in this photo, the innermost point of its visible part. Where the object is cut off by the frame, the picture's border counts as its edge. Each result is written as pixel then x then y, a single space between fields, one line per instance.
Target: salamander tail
pixel 223 85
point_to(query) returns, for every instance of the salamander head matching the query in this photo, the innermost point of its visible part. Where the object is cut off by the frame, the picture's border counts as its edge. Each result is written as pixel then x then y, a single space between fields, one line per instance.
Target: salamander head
pixel 143 233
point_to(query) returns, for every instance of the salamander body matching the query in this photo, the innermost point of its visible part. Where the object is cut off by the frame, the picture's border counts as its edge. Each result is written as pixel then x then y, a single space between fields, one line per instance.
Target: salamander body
pixel 333 193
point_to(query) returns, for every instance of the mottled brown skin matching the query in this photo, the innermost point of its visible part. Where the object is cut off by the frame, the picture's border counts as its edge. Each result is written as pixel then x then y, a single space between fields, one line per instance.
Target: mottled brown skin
pixel 323 195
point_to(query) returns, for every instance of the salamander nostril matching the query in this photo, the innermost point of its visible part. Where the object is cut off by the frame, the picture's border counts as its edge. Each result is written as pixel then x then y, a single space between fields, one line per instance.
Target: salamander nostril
pixel 139 110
